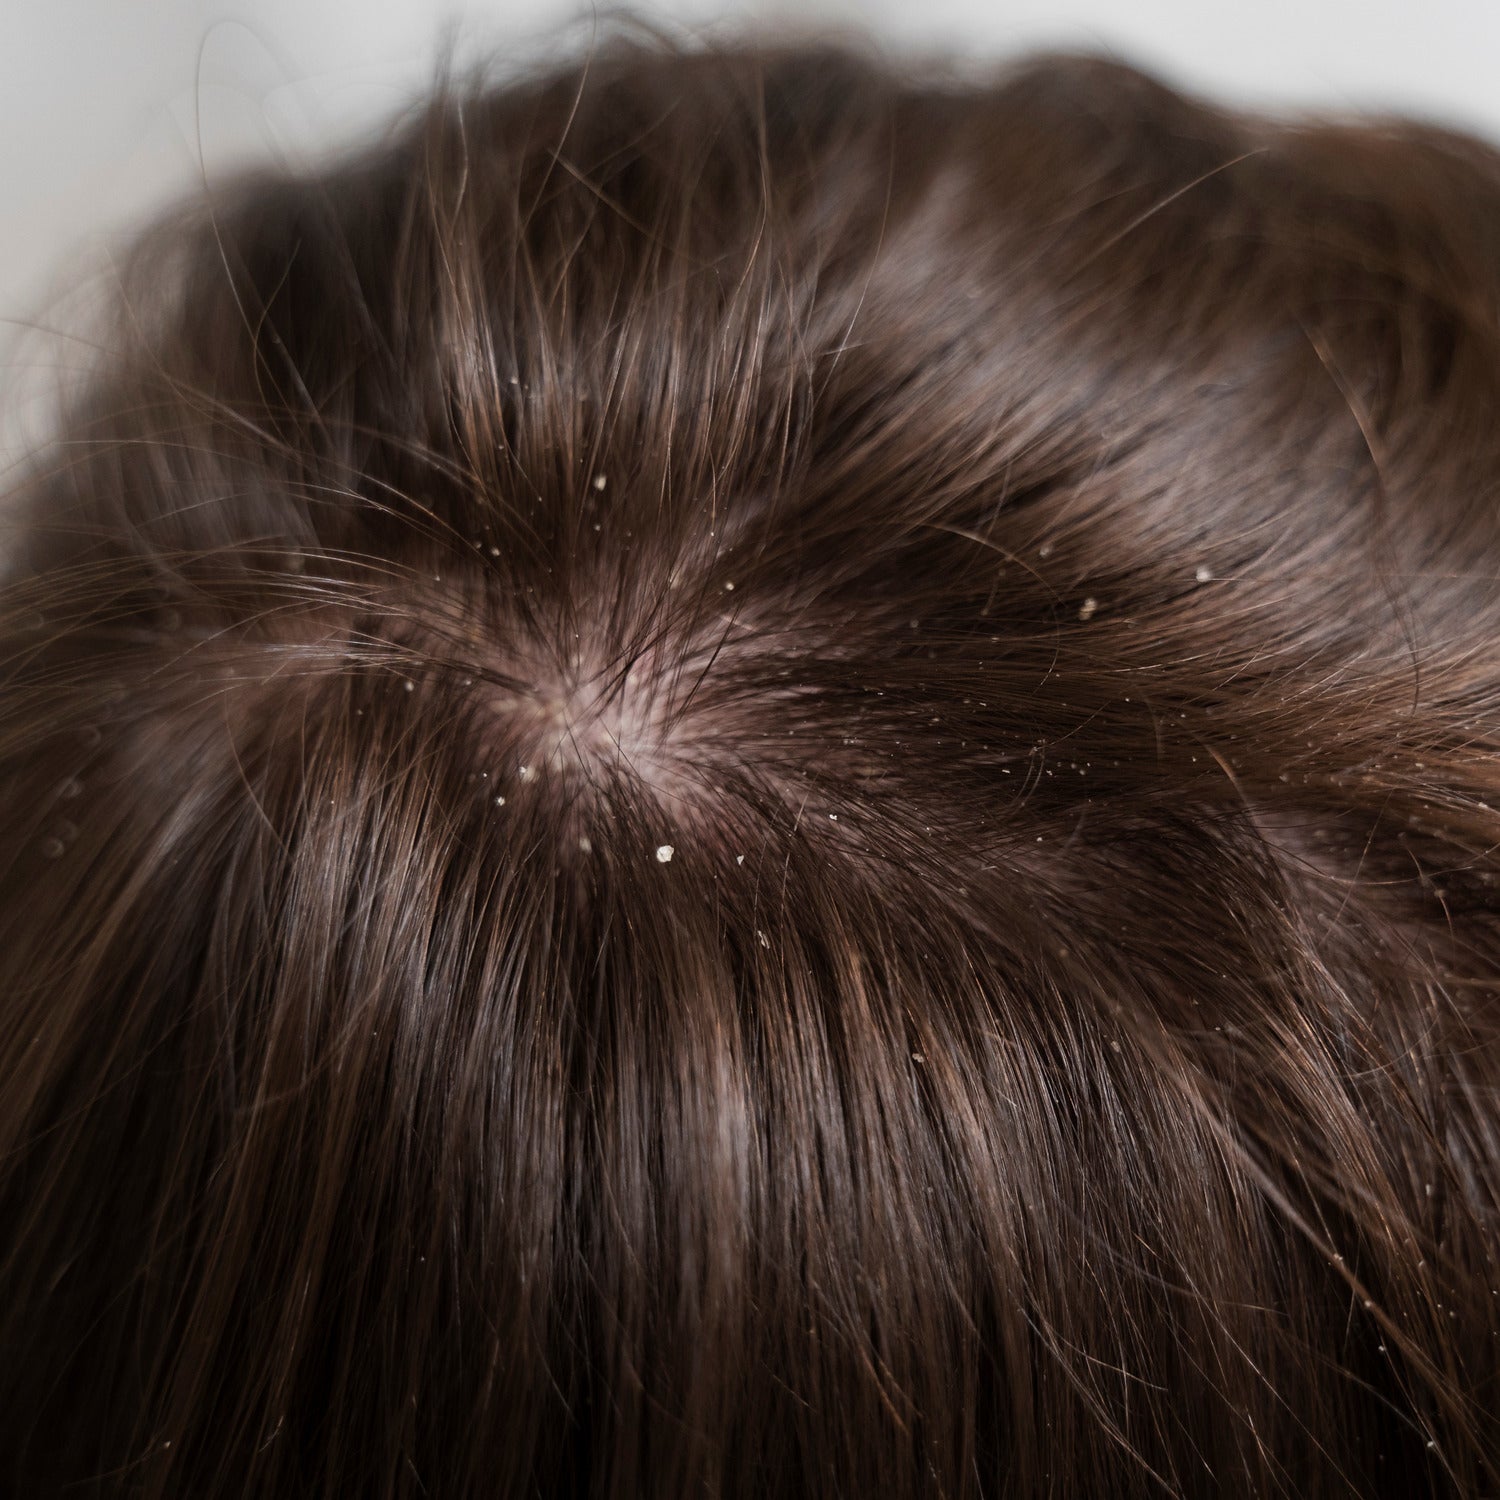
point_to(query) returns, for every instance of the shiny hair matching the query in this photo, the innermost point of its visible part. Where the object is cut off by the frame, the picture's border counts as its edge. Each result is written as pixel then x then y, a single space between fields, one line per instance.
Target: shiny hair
pixel 738 773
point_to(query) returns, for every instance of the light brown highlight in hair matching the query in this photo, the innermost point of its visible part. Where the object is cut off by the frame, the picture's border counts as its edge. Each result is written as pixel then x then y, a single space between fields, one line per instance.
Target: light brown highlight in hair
pixel 736 775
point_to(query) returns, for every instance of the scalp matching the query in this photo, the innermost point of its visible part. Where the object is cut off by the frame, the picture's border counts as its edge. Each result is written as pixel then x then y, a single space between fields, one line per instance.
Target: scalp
pixel 737 775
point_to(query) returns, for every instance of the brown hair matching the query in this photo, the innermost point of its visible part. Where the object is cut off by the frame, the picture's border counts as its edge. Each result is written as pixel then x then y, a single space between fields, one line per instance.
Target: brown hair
pixel 737 775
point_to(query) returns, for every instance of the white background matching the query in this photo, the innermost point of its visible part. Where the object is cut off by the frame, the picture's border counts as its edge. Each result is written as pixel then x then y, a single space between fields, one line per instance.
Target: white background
pixel 110 109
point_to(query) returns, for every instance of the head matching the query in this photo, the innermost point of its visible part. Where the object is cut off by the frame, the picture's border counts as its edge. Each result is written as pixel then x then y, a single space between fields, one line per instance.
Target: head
pixel 736 775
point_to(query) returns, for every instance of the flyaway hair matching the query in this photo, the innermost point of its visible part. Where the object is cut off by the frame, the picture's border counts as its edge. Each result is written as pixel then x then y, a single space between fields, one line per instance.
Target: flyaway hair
pixel 736 774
